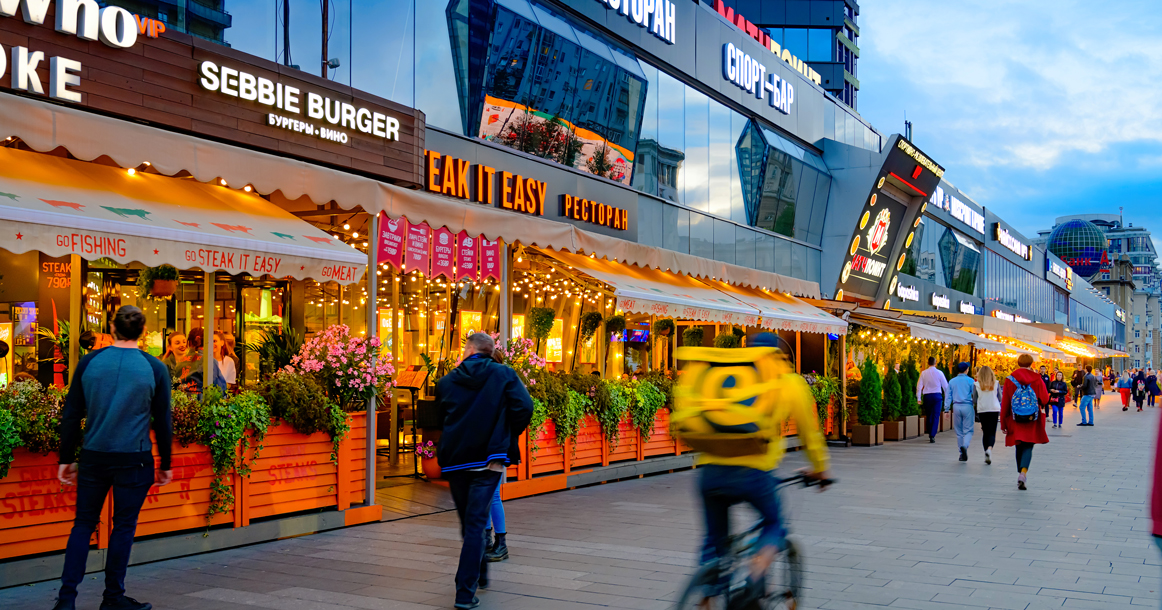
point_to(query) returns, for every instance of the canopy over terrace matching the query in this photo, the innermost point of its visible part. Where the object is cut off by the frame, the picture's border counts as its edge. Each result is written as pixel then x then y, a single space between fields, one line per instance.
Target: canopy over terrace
pixel 62 207
pixel 645 290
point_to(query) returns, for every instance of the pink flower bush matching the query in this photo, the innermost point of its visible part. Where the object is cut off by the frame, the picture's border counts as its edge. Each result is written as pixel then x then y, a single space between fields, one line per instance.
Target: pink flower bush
pixel 520 353
pixel 347 367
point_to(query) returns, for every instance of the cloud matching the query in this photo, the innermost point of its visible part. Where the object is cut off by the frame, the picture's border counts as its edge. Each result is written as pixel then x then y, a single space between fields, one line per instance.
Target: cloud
pixel 1025 84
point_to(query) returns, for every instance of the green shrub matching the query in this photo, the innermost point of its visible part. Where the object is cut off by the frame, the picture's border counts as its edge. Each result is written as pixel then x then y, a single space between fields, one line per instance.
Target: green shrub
pixel 892 395
pixel 223 427
pixel 727 341
pixel 613 325
pixel 692 336
pixel 908 404
pixel 297 400
pixel 187 413
pixel 590 322
pixel 36 414
pixel 647 400
pixel 822 391
pixel 664 327
pixel 9 440
pixel 541 322
pixel 871 398
pixel 610 403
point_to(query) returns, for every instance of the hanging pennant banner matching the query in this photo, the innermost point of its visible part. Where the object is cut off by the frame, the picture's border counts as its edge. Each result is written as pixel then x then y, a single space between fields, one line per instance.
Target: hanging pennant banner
pixel 391 237
pixel 466 256
pixel 443 253
pixel 419 237
pixel 489 259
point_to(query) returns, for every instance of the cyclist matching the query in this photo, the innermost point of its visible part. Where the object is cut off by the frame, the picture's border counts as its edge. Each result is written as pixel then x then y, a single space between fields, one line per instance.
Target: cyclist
pixel 732 405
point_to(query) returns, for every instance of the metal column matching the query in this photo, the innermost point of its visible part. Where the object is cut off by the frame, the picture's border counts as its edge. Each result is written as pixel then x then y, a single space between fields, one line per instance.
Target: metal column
pixel 372 331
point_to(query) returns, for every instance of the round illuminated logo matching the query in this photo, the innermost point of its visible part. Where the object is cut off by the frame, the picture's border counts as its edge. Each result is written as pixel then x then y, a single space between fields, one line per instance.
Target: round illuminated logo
pixel 900 265
pixel 923 207
pixel 917 223
pixel 846 273
pixel 892 286
pixel 881 184
pixel 839 295
pixel 877 236
pixel 873 200
pixel 854 245
pixel 908 244
pixel 863 221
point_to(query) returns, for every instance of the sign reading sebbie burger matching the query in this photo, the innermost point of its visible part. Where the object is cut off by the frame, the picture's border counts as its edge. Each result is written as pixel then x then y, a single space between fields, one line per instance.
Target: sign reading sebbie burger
pixel 59 49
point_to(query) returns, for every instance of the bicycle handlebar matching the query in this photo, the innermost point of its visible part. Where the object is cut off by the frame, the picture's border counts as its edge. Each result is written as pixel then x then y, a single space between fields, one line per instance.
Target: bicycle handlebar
pixel 806 481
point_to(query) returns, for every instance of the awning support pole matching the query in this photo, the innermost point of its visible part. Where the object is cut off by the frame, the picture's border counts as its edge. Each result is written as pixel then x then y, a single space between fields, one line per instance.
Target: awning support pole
pixel 396 279
pixel 372 331
pixel 208 332
pixel 76 287
pixel 504 307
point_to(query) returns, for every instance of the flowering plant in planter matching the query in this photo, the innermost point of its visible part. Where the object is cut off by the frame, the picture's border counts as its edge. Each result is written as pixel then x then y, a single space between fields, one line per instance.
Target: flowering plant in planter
pixel 426 450
pixel 520 353
pixel 348 368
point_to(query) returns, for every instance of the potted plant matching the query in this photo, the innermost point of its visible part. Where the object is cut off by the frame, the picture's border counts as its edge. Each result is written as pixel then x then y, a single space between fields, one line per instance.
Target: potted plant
pixel 727 340
pixel 664 327
pixel 158 283
pixel 910 409
pixel 541 323
pixel 869 408
pixel 613 326
pixel 893 419
pixel 426 453
pixel 590 322
pixel 823 390
pixel 692 336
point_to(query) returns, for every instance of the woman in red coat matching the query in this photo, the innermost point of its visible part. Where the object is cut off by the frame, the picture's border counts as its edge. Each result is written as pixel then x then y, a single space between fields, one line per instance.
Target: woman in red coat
pixel 1023 435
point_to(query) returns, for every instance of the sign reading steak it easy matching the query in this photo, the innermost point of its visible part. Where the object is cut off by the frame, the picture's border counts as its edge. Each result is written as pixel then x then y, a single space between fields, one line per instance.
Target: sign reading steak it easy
pixel 165 80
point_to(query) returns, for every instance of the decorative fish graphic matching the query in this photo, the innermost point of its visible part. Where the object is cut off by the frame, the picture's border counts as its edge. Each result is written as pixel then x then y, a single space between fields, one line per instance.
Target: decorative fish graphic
pixel 127 212
pixel 62 204
pixel 11 196
pixel 189 224
pixel 318 240
pixel 233 228
pixel 282 235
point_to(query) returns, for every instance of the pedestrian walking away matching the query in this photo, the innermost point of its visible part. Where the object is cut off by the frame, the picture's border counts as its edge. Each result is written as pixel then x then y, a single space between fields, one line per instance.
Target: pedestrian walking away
pixel 1021 419
pixel 1046 378
pixel 1156 490
pixel 485 408
pixel 1125 389
pixel 1058 391
pixel 930 391
pixel 1152 389
pixel 1089 385
pixel 988 409
pixel 121 392
pixel 497 548
pixel 1139 388
pixel 962 396
pixel 1075 383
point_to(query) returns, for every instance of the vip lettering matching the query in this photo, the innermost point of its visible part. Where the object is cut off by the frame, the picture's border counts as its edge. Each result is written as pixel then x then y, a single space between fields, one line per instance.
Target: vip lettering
pixel 657 16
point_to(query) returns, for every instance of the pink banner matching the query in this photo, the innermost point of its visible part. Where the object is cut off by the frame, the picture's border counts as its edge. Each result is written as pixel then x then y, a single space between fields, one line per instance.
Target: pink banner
pixel 443 253
pixel 489 259
pixel 417 247
pixel 391 238
pixel 466 256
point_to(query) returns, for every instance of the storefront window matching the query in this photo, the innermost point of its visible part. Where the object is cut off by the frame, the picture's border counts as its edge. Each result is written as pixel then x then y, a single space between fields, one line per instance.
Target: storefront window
pixel 1009 284
pixel 944 256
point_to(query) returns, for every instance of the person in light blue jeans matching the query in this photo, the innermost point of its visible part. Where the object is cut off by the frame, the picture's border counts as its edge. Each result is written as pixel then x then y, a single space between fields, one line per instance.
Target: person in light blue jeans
pixel 498 550
pixel 1089 391
pixel 962 395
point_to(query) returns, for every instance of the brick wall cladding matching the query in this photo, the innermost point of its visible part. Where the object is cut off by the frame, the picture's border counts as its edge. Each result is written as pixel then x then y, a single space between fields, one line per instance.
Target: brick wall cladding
pixel 156 82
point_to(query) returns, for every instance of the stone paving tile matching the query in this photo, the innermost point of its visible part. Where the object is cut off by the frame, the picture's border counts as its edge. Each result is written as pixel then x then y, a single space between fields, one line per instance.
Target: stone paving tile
pixel 908 527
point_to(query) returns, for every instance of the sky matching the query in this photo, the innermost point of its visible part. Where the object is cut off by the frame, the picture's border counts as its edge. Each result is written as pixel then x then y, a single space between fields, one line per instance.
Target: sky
pixel 1035 108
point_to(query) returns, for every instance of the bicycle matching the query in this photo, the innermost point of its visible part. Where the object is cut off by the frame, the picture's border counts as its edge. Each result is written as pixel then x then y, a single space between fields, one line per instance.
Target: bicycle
pixel 783 579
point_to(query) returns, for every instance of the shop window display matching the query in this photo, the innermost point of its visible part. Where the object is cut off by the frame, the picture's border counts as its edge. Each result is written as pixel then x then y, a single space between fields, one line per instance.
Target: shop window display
pixel 944 256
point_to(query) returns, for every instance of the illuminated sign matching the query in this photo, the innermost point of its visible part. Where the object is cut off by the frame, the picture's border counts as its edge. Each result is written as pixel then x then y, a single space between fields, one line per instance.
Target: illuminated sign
pixel 1022 319
pixel 243 85
pixel 447 175
pixel 1000 315
pixel 877 236
pixel 762 37
pixel 908 293
pixel 1007 240
pixel 657 16
pixel 554 350
pixel 958 209
pixel 594 212
pixel 968 308
pixel 920 158
pixel 941 301
pixel 1062 271
pixel 112 25
pixel 751 75
pixel 1121 315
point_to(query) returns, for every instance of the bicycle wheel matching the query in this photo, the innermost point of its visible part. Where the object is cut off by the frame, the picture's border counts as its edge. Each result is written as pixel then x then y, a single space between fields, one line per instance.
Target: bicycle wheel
pixel 784 580
pixel 694 597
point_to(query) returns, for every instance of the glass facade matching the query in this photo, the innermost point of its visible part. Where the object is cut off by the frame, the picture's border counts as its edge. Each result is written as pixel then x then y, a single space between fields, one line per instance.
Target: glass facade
pixel 1091 322
pixel 1010 285
pixel 945 256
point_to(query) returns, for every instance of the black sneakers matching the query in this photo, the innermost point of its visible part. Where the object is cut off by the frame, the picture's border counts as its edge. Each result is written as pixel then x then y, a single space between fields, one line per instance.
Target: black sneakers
pixel 963 454
pixel 475 603
pixel 62 604
pixel 124 603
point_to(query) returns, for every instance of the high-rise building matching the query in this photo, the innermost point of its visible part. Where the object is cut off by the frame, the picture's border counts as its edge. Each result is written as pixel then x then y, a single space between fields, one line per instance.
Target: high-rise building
pixel 822 33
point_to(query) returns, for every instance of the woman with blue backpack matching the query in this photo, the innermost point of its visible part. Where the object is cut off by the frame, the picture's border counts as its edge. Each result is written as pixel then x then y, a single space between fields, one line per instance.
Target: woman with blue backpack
pixel 1022 415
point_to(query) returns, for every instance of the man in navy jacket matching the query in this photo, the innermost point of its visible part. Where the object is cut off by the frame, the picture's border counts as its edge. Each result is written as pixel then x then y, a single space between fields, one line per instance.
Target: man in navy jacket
pixel 485 409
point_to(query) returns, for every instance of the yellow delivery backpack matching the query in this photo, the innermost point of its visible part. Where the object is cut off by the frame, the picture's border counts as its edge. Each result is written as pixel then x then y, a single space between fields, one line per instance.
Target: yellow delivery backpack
pixel 725 399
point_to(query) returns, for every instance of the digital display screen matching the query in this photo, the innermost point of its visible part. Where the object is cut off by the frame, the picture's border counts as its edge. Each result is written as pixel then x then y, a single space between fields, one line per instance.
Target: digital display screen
pixel 639 336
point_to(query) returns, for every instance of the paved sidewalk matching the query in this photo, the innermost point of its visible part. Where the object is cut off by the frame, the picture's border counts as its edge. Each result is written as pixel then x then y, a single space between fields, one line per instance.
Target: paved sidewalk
pixel 908 527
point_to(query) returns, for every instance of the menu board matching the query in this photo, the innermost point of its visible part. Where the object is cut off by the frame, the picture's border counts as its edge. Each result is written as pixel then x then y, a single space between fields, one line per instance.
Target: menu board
pixel 413 378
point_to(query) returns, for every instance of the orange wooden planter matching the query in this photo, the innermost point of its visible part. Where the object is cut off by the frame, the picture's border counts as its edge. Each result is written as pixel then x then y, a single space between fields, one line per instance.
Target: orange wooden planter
pixel 627 443
pixel 589 449
pixel 660 443
pixel 293 473
pixel 550 455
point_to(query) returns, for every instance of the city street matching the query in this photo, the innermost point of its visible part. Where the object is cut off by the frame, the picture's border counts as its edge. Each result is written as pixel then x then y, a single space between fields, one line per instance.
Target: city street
pixel 908 527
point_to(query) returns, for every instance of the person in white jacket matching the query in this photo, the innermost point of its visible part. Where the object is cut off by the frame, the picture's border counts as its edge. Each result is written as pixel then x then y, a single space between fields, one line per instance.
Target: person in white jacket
pixel 988 409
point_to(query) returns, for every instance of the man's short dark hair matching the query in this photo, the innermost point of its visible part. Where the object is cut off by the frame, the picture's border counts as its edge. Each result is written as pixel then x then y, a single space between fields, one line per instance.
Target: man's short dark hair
pixel 1088 368
pixel 482 343
pixel 931 360
pixel 128 323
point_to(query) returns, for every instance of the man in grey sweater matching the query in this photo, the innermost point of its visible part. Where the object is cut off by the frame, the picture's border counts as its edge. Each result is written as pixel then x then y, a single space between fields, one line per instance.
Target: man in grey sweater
pixel 123 392
pixel 1090 386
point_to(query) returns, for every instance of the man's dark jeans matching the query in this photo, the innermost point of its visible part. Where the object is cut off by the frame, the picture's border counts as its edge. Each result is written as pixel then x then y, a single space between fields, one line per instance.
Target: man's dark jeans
pixel 130 486
pixel 472 492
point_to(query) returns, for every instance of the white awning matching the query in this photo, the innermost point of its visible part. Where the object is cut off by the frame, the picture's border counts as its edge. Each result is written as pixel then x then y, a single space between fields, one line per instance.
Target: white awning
pixel 953 336
pixel 784 312
pixel 61 206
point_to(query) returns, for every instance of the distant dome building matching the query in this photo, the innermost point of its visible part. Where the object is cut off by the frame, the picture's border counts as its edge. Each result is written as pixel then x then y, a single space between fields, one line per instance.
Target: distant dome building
pixel 1081 244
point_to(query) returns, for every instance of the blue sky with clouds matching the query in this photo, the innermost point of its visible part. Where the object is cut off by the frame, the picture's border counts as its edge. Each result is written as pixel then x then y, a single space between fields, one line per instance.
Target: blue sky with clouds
pixel 1037 108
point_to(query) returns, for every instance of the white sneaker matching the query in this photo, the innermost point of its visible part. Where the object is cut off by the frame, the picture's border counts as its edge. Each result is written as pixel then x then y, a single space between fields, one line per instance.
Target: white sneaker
pixel 988 456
